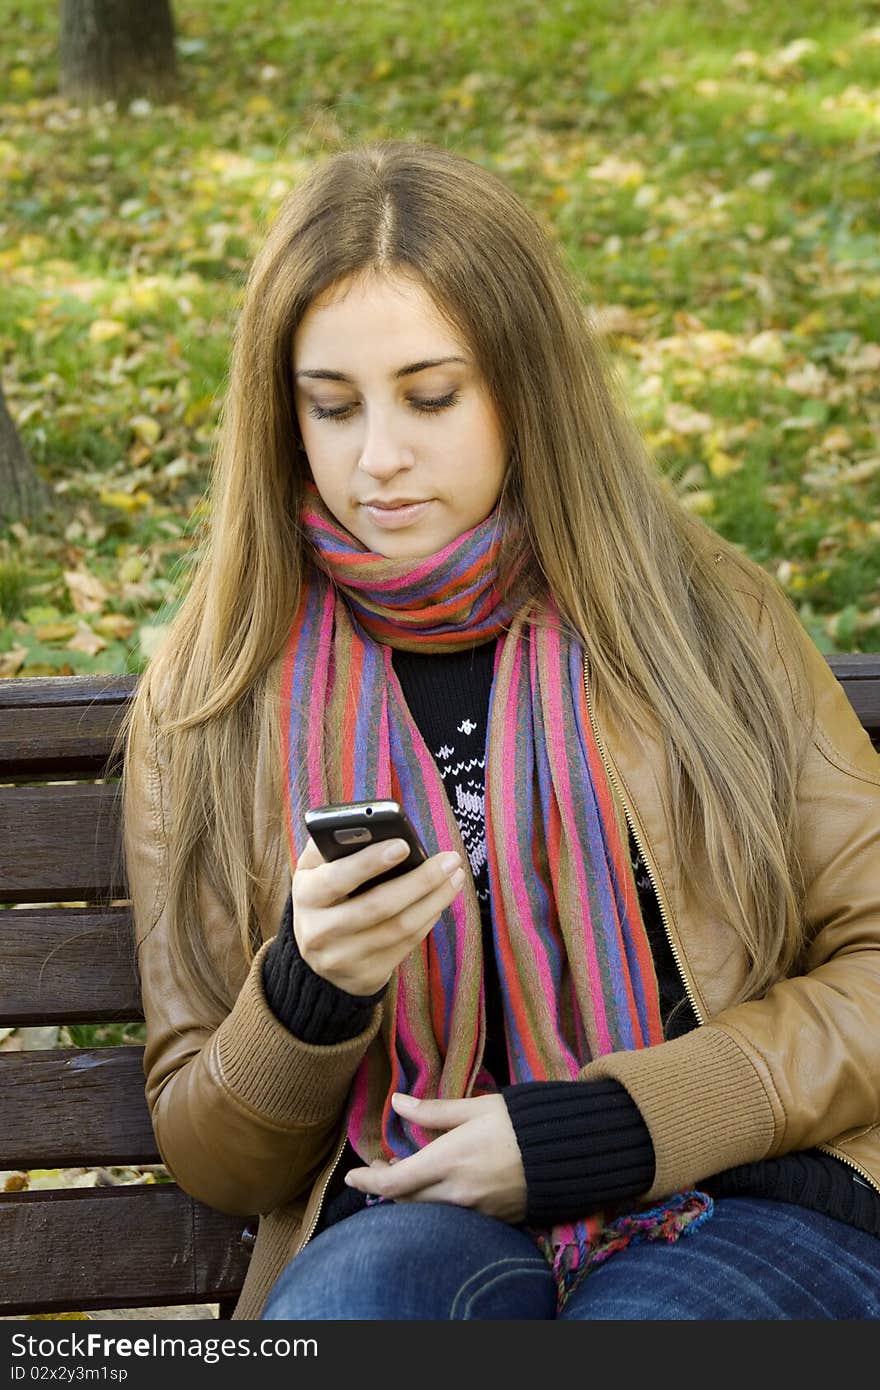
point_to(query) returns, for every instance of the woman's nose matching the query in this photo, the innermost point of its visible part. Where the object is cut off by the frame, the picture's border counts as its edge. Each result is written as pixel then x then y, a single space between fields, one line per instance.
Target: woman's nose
pixel 383 452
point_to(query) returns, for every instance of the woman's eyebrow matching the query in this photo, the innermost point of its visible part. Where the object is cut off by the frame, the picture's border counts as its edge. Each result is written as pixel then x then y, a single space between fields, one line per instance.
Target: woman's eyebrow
pixel 324 373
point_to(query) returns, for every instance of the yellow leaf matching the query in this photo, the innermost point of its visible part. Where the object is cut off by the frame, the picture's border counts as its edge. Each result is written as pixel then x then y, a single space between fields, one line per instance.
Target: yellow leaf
pixel 813 323
pixel 380 70
pixel 104 329
pixel 58 1317
pixel 55 632
pixel 765 347
pixel 145 428
pixel 144 295
pixel 258 105
pixel 123 501
pixel 131 570
pixel 21 79
pixel 197 410
pixel 116 626
pixel 720 464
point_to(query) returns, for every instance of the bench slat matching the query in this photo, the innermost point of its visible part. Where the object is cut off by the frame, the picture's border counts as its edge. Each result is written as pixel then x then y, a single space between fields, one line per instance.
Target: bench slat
pixel 57 843
pixel 75 1107
pixel 67 965
pixel 66 739
pixel 46 691
pixel 119 1247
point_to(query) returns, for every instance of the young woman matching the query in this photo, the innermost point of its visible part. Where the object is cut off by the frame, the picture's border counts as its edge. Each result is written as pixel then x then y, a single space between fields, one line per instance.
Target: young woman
pixel 613 1050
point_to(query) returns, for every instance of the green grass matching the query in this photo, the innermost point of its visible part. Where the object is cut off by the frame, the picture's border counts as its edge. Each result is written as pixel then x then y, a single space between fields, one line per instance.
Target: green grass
pixel 712 169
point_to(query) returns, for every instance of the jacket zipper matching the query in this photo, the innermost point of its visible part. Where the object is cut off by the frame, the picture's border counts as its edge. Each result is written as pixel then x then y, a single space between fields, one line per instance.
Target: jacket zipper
pixel 826 1148
pixel 663 917
pixel 327 1182
pixel 850 1163
pixel 672 946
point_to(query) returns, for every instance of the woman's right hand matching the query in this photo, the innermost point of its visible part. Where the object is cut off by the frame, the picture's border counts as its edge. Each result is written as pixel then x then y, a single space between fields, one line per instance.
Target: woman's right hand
pixel 356 943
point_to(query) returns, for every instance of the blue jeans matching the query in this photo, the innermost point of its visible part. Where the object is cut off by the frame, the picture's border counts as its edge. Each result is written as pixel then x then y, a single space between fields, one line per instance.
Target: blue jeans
pixel 753 1259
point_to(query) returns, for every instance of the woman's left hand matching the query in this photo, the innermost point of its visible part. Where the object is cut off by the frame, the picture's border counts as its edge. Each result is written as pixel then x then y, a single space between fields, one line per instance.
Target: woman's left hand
pixel 476 1163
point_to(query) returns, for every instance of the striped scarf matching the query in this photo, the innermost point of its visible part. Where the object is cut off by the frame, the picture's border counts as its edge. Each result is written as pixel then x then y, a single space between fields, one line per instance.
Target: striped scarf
pixel 573 956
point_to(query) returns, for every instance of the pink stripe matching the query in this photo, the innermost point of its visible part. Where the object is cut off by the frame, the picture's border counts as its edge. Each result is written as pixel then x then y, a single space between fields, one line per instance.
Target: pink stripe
pixel 509 841
pixel 553 723
pixel 322 676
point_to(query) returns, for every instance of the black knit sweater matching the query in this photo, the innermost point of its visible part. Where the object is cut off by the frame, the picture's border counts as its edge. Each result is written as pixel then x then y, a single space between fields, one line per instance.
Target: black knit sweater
pixel 584 1145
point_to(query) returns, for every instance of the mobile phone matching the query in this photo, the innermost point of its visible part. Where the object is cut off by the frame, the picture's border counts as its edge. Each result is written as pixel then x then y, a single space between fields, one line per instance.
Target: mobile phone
pixel 344 827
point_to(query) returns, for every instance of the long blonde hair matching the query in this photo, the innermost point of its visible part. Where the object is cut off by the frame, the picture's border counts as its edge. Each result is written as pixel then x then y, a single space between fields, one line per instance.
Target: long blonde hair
pixel 631 569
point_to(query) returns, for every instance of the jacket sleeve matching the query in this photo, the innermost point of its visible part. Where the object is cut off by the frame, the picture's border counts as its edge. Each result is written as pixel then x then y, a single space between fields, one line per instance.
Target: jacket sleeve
pixel 245 1114
pixel 801 1065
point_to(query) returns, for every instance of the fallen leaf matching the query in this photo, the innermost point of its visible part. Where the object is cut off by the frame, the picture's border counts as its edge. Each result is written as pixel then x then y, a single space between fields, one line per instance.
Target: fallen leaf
pixel 124 501
pixel 116 626
pixel 12 661
pixel 721 464
pixel 837 441
pixel 85 640
pixel 87 593
pixel 58 1317
pixel 618 320
pixel 684 420
pixel 860 472
pixel 625 173
pixel 145 428
pixel 102 330
pixel 765 347
pixel 55 632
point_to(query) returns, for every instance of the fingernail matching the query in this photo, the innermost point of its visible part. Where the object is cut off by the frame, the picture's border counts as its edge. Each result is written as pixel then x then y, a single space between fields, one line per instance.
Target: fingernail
pixel 457 878
pixel 450 861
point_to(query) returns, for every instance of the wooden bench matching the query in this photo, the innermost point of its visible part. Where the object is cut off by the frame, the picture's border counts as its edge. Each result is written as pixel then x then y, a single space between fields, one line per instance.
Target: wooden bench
pixel 125 1246
pixel 131 1245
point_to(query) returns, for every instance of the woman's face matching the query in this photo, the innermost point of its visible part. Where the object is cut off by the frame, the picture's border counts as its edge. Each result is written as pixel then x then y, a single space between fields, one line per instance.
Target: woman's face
pixel 386 417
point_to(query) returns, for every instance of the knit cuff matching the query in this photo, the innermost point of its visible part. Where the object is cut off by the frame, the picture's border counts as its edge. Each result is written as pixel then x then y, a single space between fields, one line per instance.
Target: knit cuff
pixel 584 1145
pixel 312 1008
pixel 271 1073
pixel 702 1099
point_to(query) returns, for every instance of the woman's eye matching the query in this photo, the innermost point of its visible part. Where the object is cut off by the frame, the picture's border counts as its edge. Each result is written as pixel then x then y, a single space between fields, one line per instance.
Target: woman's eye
pixel 428 407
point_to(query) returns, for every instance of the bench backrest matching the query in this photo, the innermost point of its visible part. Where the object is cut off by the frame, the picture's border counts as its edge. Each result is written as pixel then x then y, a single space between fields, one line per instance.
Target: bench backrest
pixel 129 1245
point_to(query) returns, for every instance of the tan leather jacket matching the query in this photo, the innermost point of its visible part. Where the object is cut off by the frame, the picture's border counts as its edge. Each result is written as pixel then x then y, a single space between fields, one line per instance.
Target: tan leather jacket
pixel 248 1117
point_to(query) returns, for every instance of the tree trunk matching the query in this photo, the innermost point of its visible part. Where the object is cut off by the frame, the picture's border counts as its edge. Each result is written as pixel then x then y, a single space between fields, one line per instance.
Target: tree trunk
pixel 23 494
pixel 113 50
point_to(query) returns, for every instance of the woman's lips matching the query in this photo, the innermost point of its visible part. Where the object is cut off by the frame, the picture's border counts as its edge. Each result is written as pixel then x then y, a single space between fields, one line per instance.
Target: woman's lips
pixel 392 518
